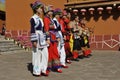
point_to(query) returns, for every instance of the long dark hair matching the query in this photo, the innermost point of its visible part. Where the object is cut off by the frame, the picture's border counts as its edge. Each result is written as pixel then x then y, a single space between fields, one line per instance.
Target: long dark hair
pixel 73 17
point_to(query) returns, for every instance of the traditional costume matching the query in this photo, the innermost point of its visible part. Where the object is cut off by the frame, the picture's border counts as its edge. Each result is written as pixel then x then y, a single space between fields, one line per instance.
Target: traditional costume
pixel 85 39
pixel 61 48
pixel 85 42
pixel 40 52
pixel 50 28
pixel 76 38
pixel 64 21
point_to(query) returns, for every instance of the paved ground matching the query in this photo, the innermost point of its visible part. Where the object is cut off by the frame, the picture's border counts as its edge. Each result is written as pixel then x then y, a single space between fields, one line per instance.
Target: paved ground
pixel 103 65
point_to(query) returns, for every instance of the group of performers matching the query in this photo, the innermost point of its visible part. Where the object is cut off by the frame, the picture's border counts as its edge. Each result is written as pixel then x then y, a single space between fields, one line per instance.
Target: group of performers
pixel 56 39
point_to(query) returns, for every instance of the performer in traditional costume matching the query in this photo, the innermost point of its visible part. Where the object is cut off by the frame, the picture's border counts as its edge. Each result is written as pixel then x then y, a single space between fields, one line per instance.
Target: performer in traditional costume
pixel 61 48
pixel 64 21
pixel 85 39
pixel 39 41
pixel 51 30
pixel 76 37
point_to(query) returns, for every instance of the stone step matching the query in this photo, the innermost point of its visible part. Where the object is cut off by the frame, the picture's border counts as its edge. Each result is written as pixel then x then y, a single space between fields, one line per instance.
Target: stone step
pixel 4 40
pixel 2 37
pixel 8 46
pixel 10 49
pixel 14 52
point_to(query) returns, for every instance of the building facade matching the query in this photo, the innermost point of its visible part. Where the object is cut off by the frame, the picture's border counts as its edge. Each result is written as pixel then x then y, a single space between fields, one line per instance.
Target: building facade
pixel 18 12
pixel 104 16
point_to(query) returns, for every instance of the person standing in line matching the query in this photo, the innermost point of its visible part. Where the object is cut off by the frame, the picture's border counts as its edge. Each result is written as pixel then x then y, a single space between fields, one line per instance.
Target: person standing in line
pixel 64 21
pixel 39 41
pixel 50 29
pixel 85 39
pixel 3 29
pixel 61 48
pixel 76 37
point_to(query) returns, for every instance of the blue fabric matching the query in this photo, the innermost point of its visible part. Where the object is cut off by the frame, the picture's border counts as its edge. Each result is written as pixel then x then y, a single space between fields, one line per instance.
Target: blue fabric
pixel 32 22
pixel 57 25
pixel 49 68
pixel 34 37
pixel 39 27
pixel 56 67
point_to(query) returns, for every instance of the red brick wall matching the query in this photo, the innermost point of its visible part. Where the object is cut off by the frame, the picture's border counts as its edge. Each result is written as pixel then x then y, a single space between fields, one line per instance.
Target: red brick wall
pixel 105 42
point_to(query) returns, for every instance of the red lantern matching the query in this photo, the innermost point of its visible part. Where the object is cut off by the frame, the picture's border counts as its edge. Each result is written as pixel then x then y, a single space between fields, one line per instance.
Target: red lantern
pixel 118 7
pixel 83 11
pixel 109 9
pixel 91 10
pixel 100 9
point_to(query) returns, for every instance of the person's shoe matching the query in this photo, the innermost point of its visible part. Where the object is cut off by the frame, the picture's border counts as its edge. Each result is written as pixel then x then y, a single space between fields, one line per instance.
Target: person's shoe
pixel 90 55
pixel 59 70
pixel 76 59
pixel 44 74
pixel 81 57
pixel 47 71
pixel 64 66
pixel 36 75
pixel 68 61
pixel 86 56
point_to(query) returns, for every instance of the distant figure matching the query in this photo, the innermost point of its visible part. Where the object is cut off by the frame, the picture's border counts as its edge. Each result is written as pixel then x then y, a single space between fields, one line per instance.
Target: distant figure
pixel 119 48
pixel 3 29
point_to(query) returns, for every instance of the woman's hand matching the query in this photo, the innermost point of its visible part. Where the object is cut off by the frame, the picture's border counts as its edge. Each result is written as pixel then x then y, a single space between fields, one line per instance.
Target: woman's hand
pixel 48 41
pixel 34 44
pixel 58 39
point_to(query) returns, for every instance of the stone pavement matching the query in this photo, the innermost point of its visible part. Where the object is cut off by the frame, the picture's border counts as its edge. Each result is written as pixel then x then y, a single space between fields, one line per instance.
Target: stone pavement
pixel 103 65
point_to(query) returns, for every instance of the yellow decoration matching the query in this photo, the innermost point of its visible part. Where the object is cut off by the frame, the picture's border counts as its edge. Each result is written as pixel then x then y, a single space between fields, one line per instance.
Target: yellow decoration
pixel 71 42
pixel 85 40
